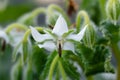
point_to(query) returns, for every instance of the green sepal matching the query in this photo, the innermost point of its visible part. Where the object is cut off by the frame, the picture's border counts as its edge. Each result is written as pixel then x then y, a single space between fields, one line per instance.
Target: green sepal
pixel 67 33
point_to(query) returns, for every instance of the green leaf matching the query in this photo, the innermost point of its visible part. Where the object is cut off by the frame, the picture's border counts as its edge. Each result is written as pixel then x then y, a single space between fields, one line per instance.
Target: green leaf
pixel 70 69
pixel 93 59
pixel 39 58
pixel 47 65
pixel 111 31
pixel 5 62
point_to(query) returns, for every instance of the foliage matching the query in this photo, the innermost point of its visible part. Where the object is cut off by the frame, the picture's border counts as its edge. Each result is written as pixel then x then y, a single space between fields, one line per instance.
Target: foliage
pixel 32 61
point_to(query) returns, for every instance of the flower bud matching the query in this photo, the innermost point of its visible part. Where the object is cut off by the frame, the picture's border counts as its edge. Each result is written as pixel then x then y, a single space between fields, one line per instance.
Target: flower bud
pixel 113 10
pixel 89 37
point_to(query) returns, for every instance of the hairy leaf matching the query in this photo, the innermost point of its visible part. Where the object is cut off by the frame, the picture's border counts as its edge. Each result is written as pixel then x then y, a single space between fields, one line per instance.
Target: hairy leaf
pixel 93 59
pixel 47 65
pixel 39 58
pixel 70 69
pixel 111 31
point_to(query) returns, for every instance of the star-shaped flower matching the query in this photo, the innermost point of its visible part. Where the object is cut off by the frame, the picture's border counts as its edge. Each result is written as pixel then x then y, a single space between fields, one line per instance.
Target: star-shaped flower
pixel 60 38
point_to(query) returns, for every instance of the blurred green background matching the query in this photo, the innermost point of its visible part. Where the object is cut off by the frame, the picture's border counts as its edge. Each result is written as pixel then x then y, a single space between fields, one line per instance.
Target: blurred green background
pixel 11 10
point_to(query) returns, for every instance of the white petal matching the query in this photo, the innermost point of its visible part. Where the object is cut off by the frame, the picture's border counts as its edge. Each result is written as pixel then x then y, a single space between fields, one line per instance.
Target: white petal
pixel 16 37
pixel 48 45
pixel 79 36
pixel 60 27
pixel 4 36
pixel 39 37
pixel 69 46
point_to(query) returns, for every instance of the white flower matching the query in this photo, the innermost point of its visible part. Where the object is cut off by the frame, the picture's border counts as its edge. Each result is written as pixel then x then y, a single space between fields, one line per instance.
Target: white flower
pixel 59 39
pixel 14 38
pixel 4 36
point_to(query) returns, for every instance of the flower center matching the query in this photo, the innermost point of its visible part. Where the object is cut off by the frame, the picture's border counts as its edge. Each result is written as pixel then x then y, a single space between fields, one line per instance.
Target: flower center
pixel 59 46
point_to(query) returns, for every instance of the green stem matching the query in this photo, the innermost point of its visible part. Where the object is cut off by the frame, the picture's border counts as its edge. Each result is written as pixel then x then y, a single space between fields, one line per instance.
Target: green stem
pixel 55 60
pixel 116 52
pixel 90 78
pixel 25 43
pixel 37 11
pixel 62 71
pixel 31 16
pixel 102 8
pixel 15 25
pixel 14 54
pixel 118 71
pixel 78 19
pixel 53 7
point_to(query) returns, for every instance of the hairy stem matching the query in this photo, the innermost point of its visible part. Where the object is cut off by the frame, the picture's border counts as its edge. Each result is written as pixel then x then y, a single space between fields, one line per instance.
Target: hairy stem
pixel 79 17
pixel 15 25
pixel 116 53
pixel 102 8
pixel 53 7
pixel 55 60
pixel 118 71
pixel 37 11
pixel 62 71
